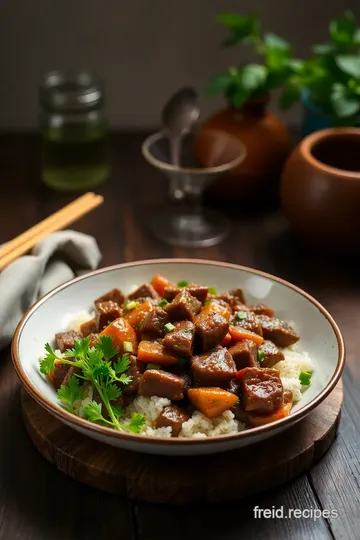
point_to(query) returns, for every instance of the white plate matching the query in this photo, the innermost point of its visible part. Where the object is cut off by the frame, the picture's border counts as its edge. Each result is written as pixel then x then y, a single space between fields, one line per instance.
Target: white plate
pixel 319 336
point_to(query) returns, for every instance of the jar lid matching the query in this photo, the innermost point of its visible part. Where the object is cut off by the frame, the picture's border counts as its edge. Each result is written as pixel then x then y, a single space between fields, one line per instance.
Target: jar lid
pixel 67 91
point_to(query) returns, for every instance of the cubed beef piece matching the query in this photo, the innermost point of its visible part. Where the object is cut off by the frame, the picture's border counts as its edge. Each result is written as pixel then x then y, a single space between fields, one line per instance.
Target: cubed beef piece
pixel 244 354
pixel 73 370
pixel 234 298
pixel 210 330
pixel 106 312
pixel 277 331
pixel 261 309
pixel 145 291
pixel 156 382
pixel 115 295
pixel 187 381
pixel 88 327
pixel 60 372
pixel 154 322
pixel 135 373
pixel 213 368
pixel 261 389
pixel 66 340
pixel 269 354
pixel 247 320
pixel 198 291
pixel 288 396
pixel 183 307
pixel 174 417
pixel 180 341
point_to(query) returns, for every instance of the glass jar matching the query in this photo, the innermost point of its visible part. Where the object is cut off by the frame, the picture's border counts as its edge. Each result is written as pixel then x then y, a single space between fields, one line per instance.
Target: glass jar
pixel 73 129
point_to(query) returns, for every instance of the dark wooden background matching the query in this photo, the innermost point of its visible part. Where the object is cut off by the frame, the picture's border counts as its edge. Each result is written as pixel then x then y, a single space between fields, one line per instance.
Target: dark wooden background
pixel 39 503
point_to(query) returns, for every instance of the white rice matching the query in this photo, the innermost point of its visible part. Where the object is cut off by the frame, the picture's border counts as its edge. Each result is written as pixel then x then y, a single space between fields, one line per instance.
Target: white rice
pixel 199 426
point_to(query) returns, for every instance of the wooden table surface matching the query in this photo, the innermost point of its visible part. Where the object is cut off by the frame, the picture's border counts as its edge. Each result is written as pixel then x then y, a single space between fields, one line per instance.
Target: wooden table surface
pixel 39 503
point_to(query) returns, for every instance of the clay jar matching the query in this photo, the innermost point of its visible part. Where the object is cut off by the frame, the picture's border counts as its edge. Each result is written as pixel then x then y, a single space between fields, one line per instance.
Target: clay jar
pixel 320 189
pixel 267 143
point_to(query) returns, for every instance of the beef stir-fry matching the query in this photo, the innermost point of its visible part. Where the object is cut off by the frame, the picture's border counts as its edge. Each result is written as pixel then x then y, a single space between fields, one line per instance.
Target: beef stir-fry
pixel 202 350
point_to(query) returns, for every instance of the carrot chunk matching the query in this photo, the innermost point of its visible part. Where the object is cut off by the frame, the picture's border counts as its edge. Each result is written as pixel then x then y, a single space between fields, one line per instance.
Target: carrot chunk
pixel 152 352
pixel 121 331
pixel 239 334
pixel 211 401
pixel 159 283
pixel 255 420
pixel 136 316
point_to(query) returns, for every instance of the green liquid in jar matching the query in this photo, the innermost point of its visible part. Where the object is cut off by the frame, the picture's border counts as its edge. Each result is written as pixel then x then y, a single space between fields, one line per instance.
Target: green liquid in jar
pixel 75 156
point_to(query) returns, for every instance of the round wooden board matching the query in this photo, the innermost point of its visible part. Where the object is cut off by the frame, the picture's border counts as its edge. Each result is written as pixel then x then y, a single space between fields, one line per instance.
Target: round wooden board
pixel 182 480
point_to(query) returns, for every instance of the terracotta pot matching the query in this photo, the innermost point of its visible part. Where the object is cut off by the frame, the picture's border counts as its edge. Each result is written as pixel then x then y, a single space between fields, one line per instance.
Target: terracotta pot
pixel 320 189
pixel 267 143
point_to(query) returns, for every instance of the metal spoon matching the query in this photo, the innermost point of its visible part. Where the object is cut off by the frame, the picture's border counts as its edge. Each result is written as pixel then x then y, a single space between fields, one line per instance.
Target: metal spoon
pixel 178 117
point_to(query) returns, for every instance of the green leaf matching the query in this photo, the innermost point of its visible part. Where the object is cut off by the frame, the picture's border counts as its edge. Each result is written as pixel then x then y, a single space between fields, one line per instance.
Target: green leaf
pixel 182 283
pixel 242 27
pixel 218 83
pixel 344 105
pixel 122 364
pixel 80 350
pixel 253 76
pixel 47 364
pixel 70 393
pixel 289 96
pixel 275 42
pixel 350 64
pixel 231 20
pixel 112 391
pixel 125 379
pixel 239 97
pixel 136 424
pixel 92 412
pixel 323 48
pixel 342 29
pixel 106 346
pixel 118 410
pixel 212 290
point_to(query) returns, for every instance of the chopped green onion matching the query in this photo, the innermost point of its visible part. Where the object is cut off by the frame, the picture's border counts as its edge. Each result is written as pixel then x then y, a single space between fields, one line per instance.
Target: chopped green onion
pixel 130 305
pixel 212 290
pixel 207 302
pixel 305 378
pixel 182 361
pixel 139 325
pixel 260 356
pixel 127 346
pixel 182 283
pixel 152 366
pixel 163 302
pixel 169 327
pixel 241 315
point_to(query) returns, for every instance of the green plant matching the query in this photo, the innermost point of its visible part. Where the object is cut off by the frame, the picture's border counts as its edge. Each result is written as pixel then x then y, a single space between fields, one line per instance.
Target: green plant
pixel 253 80
pixel 331 77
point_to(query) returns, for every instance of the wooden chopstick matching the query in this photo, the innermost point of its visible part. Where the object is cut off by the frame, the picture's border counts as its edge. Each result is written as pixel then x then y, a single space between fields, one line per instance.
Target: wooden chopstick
pixel 57 221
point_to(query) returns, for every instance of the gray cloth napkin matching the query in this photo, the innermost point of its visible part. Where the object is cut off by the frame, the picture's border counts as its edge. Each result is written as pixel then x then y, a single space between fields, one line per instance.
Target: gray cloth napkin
pixel 57 258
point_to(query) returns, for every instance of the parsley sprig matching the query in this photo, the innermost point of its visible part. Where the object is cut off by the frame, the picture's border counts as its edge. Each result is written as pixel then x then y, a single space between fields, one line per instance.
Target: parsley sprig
pixel 96 367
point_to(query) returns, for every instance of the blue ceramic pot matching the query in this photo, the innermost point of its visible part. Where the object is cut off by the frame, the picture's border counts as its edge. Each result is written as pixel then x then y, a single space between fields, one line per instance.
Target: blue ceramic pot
pixel 313 118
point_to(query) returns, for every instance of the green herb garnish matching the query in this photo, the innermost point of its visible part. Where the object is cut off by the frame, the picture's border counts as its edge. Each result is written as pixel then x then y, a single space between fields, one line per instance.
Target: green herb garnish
pixel 182 283
pixel 260 356
pixel 305 378
pixel 241 315
pixel 207 302
pixel 96 367
pixel 212 290
pixel 153 366
pixel 130 305
pixel 128 346
pixel 169 327
pixel 163 302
